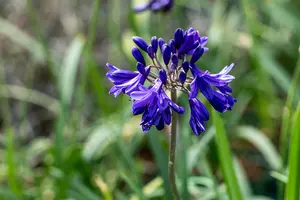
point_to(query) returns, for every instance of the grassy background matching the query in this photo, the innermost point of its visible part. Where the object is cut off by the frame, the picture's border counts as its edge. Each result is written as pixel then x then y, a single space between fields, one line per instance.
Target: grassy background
pixel 63 137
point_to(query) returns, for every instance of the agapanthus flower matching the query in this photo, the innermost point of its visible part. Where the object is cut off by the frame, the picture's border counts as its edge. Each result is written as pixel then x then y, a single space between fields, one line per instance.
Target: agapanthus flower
pixel 155 6
pixel 175 69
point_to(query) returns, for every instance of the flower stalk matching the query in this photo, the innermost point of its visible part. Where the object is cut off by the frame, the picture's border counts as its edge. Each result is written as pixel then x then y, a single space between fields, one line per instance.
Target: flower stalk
pixel 172 151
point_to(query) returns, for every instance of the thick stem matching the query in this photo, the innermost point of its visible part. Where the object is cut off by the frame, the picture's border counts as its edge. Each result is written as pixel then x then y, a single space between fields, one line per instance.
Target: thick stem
pixel 172 149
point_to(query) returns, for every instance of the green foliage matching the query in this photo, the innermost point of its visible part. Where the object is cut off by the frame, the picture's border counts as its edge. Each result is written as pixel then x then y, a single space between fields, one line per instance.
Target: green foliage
pixel 226 161
pixel 62 136
pixel 293 183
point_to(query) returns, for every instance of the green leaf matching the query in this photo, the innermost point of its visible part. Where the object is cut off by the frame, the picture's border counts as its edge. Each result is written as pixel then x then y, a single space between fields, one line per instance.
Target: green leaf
pixel 104 134
pixel 262 143
pixel 279 176
pixel 242 178
pixel 161 158
pixel 287 113
pixel 137 190
pixel 6 194
pixel 11 162
pixel 78 187
pixel 69 69
pixel 20 38
pixel 198 148
pixel 292 187
pixel 31 96
pixel 226 160
pixel 277 71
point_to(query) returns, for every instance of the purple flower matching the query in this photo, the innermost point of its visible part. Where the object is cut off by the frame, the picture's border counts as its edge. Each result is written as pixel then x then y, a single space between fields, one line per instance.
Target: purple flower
pixel 199 114
pixel 140 42
pixel 125 81
pixel 219 99
pixel 155 106
pixel 178 71
pixel 155 6
pixel 190 42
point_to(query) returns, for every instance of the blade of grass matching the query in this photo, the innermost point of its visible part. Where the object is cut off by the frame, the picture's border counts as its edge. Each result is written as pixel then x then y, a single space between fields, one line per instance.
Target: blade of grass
pixel 133 186
pixel 161 158
pixel 12 178
pixel 262 143
pixel 286 117
pixel 91 74
pixel 103 188
pixel 292 191
pixel 7 195
pixel 69 69
pixel 9 140
pixel 279 176
pixel 20 38
pixel 242 178
pixel 22 94
pixel 38 30
pixel 153 188
pixel 66 84
pixel 226 160
pixel 209 173
pixel 286 121
pixel 82 190
pixel 198 148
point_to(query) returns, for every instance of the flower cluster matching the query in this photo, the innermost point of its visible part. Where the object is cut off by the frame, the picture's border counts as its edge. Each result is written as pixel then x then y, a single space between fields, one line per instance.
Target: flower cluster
pixel 155 6
pixel 177 70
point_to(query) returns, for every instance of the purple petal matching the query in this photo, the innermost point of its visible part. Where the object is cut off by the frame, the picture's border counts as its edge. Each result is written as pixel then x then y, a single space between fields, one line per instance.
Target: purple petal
pixel 178 37
pixel 197 54
pixel 138 55
pixel 150 51
pixel 163 76
pixel 154 43
pixel 182 77
pixel 140 42
pixel 166 54
pixel 161 42
pixel 185 66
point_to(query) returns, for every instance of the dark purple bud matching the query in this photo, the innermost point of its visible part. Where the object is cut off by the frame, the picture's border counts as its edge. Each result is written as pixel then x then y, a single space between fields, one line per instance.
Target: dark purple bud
pixel 154 43
pixel 141 68
pixel 182 77
pixel 150 52
pixel 172 46
pixel 185 66
pixel 166 54
pixel 197 54
pixel 175 60
pixel 189 41
pixel 138 55
pixel 140 42
pixel 179 37
pixel 163 76
pixel 161 42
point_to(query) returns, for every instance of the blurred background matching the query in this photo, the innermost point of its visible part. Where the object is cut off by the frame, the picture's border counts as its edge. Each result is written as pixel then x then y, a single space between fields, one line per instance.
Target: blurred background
pixel 62 136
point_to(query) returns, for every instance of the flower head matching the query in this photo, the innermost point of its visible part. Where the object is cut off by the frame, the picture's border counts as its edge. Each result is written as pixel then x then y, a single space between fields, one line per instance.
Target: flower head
pixel 155 6
pixel 175 70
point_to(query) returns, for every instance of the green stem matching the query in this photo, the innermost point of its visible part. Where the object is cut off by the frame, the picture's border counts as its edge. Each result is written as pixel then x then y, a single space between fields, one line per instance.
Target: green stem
pixel 172 149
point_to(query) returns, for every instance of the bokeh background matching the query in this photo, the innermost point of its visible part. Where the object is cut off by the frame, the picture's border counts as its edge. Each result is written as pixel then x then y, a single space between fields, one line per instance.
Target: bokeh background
pixel 62 136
